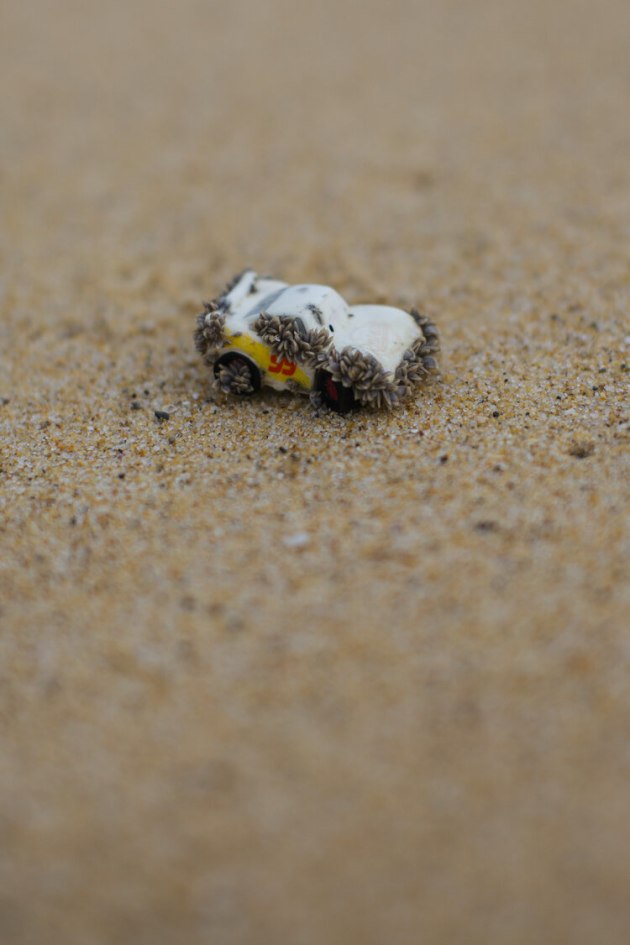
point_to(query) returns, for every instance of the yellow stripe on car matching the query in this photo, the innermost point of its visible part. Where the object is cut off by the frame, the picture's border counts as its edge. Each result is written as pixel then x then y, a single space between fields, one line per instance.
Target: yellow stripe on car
pixel 262 356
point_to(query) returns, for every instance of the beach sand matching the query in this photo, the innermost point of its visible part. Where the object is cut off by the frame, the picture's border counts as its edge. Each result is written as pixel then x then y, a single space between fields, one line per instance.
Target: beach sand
pixel 269 676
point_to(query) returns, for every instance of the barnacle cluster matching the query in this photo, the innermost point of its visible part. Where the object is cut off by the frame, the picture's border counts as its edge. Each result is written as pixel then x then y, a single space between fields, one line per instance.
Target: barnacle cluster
pixel 235 377
pixel 288 338
pixel 210 331
pixel 431 343
pixel 368 379
pixel 418 361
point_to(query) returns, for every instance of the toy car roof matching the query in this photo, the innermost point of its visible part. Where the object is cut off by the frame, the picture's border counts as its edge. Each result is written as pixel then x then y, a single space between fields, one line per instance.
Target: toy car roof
pixel 318 306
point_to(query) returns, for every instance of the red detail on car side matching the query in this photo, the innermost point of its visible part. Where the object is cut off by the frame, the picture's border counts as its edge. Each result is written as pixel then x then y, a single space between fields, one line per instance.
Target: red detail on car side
pixel 288 368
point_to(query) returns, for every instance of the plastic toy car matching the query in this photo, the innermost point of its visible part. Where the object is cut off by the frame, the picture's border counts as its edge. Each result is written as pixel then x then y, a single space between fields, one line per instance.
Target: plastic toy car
pixel 306 338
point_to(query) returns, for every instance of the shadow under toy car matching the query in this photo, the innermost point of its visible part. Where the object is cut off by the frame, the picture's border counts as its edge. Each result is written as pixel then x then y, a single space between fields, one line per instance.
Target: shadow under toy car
pixel 307 339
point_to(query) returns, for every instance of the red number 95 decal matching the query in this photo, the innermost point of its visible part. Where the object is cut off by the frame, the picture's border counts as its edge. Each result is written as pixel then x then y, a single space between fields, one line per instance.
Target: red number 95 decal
pixel 281 366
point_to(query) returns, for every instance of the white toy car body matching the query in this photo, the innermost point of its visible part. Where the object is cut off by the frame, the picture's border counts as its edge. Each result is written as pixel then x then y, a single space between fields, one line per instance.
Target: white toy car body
pixel 306 338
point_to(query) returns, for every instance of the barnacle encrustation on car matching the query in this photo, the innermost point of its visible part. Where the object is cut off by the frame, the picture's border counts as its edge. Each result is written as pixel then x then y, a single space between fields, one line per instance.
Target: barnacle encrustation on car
pixel 289 337
pixel 307 339
pixel 209 333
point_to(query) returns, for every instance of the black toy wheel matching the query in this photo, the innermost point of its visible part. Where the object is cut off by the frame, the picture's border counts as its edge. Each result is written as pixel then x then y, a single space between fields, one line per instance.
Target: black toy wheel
pixel 333 393
pixel 237 374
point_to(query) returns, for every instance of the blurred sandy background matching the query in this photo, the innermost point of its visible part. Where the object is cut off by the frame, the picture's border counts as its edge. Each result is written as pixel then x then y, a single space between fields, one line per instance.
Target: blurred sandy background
pixel 268 677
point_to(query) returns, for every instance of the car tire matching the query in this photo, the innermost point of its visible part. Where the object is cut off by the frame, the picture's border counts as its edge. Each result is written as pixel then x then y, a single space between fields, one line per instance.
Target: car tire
pixel 237 374
pixel 337 397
